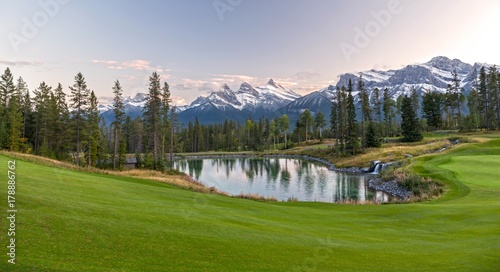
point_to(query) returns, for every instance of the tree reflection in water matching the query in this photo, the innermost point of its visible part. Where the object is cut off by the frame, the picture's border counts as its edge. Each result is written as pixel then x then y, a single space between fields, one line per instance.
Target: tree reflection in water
pixel 283 178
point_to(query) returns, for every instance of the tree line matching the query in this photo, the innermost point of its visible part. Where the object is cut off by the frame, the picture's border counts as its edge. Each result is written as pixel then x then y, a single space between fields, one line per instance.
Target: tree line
pixel 50 123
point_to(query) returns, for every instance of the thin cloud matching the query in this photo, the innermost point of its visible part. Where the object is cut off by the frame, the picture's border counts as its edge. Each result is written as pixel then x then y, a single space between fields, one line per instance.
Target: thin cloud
pixel 200 85
pixel 178 101
pixel 233 78
pixel 21 63
pixel 130 64
pixel 305 75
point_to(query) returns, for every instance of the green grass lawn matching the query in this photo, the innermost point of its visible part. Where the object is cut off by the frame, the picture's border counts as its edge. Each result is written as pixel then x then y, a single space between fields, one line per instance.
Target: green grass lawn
pixel 74 221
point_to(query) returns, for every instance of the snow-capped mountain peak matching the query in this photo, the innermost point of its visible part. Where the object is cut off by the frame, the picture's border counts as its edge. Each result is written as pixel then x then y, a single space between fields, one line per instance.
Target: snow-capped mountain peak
pixel 272 99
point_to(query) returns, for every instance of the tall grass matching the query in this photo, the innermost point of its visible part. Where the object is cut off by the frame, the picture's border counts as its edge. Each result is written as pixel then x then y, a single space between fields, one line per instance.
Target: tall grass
pixel 422 188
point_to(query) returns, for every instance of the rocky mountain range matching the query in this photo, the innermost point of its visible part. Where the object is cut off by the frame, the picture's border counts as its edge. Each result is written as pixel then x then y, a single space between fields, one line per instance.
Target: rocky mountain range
pixel 272 99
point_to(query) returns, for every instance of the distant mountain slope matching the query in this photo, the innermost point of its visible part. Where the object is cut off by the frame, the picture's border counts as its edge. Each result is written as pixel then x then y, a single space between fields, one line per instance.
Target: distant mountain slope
pixel 272 99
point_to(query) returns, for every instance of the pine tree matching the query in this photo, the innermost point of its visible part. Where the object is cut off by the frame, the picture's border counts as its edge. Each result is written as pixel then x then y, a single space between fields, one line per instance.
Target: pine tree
pixel 372 139
pixel 43 115
pixel 173 125
pixel 484 101
pixel 342 117
pixel 28 119
pixel 493 97
pixel 414 100
pixel 79 102
pixel 457 96
pixel 388 108
pixel 377 105
pixel 432 110
pixel 365 109
pixel 352 142
pixel 62 126
pixel 166 126
pixel 409 123
pixel 153 119
pixel 334 120
pixel 472 122
pixel 320 123
pixel 94 132
pixel 24 103
pixel 119 111
pixel 7 89
pixel 14 125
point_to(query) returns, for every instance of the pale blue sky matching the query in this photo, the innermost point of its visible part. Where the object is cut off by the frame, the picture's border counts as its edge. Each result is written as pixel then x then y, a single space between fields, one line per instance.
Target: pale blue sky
pixel 196 45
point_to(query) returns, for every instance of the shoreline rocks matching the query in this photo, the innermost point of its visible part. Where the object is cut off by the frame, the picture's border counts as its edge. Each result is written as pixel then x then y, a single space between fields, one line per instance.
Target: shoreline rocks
pixel 390 187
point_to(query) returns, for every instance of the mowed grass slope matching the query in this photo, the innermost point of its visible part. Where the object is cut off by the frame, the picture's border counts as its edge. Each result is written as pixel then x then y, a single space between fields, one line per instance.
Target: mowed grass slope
pixel 74 221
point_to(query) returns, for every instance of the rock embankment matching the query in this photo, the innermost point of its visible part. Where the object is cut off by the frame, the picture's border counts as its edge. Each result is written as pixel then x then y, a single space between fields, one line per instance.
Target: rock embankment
pixel 390 187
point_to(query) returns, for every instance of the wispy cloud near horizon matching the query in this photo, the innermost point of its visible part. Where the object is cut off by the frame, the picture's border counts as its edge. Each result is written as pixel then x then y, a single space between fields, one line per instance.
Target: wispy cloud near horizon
pixel 130 64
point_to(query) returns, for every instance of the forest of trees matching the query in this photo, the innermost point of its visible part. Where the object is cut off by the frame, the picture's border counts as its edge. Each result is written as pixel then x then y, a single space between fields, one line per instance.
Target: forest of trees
pixel 48 122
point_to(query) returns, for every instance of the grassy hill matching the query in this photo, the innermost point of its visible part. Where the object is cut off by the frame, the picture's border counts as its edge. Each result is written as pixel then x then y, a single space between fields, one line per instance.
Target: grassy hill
pixel 75 221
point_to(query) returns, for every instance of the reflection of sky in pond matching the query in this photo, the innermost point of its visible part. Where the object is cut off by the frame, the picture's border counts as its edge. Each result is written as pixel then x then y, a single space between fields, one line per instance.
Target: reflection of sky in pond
pixel 281 178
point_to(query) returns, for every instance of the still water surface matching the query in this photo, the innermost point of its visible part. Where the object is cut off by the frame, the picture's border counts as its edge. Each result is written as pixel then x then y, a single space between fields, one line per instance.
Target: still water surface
pixel 282 178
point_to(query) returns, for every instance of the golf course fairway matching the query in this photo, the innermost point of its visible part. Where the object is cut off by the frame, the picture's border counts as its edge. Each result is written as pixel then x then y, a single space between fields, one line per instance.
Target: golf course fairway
pixel 76 221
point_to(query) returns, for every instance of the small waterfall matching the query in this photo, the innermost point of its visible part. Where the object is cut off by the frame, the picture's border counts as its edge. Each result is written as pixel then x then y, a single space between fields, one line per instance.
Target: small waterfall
pixel 378 167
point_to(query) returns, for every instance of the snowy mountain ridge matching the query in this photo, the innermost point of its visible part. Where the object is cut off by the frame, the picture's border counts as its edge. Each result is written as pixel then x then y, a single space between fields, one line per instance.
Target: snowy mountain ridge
pixel 272 99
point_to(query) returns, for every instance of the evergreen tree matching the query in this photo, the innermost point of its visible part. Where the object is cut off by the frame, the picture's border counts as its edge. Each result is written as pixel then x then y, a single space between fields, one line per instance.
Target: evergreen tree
pixel 414 100
pixel 493 97
pixel 43 115
pixel 320 123
pixel 166 126
pixel 62 126
pixel 334 120
pixel 119 111
pixel 365 109
pixel 388 108
pixel 14 125
pixel 352 143
pixel 372 140
pixel 79 102
pixel 484 101
pixel 409 123
pixel 174 126
pixel 94 138
pixel 7 89
pixel 28 119
pixel 377 105
pixel 432 110
pixel 153 119
pixel 342 117
pixel 472 121
pixel 457 96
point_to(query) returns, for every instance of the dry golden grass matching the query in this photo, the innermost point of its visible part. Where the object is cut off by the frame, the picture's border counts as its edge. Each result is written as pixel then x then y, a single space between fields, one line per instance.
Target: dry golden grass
pixel 182 181
pixel 392 152
pixel 257 197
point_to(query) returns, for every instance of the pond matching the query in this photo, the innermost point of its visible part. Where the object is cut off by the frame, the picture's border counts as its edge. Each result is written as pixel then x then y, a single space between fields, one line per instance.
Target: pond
pixel 282 178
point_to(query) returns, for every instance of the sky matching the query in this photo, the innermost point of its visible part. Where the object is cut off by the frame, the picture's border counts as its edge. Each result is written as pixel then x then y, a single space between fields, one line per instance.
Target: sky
pixel 198 45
